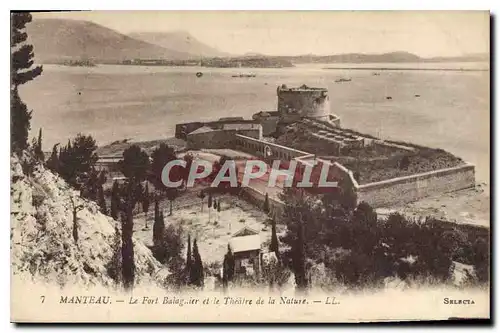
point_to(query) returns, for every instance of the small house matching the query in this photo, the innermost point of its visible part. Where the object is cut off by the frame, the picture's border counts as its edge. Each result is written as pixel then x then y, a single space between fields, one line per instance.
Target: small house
pixel 246 247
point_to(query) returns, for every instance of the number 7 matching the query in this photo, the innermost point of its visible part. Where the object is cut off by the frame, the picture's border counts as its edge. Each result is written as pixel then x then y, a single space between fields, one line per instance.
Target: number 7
pixel 43 298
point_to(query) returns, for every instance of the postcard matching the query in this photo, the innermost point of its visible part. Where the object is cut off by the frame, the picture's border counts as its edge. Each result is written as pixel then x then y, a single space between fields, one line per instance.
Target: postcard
pixel 250 166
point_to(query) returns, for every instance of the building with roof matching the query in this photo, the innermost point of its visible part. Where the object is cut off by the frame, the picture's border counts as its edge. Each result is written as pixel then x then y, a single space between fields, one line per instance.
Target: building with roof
pixel 246 247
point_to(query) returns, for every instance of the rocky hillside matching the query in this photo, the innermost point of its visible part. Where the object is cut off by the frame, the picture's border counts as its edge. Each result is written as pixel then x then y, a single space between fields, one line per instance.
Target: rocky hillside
pixel 42 245
pixel 59 40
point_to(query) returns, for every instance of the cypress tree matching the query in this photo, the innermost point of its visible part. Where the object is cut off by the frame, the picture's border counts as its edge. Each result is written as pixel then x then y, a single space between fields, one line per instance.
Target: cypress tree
pixel 201 195
pixel 145 204
pixel 53 161
pixel 266 207
pixel 210 200
pixel 209 205
pixel 196 276
pixel 38 148
pixel 228 267
pixel 299 259
pixel 115 200
pixel 274 247
pixel 156 224
pixel 189 262
pixel 128 264
pixel 102 200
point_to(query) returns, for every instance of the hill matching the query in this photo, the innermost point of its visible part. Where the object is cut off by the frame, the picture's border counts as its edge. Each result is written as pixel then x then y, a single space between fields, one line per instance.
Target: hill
pixel 59 40
pixel 180 41
pixel 356 58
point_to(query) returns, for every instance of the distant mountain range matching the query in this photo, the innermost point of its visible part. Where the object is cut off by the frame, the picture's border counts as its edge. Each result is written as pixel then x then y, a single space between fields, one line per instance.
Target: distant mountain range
pixel 181 41
pixel 391 57
pixel 63 40
pixel 57 40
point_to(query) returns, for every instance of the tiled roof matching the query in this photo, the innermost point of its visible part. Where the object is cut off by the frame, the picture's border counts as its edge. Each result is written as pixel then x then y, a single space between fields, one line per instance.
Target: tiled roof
pixel 245 243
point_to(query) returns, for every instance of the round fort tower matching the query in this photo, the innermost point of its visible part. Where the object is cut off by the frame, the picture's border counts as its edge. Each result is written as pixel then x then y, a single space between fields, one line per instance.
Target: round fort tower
pixel 304 101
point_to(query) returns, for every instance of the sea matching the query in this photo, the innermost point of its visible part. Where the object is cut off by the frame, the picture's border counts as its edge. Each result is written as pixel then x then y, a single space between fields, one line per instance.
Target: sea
pixel 445 105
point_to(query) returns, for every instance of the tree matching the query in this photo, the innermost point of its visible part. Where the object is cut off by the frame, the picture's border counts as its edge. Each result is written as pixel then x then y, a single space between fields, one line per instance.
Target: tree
pixel 172 194
pixel 158 225
pixel 75 209
pixel 228 267
pixel 159 158
pixel 145 204
pixel 77 159
pixel 196 276
pixel 189 162
pixel 189 261
pixel 38 148
pixel 274 247
pixel 115 200
pixel 209 205
pixel 135 163
pixel 21 71
pixel 299 260
pixel 128 264
pixel 114 266
pixel 201 195
pixel 102 201
pixel 266 207
pixel 53 161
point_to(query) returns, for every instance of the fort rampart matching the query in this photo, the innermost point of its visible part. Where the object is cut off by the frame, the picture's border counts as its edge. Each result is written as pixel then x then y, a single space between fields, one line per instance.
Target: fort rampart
pixel 406 189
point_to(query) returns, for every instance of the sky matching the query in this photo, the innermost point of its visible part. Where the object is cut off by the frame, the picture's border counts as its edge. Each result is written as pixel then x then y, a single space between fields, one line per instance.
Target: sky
pixel 425 33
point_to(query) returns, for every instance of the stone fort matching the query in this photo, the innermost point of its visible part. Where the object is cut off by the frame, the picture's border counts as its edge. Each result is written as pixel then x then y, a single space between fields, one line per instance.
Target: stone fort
pixel 302 128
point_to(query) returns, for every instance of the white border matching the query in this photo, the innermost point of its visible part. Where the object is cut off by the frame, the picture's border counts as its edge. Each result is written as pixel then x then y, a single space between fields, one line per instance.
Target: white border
pixel 186 5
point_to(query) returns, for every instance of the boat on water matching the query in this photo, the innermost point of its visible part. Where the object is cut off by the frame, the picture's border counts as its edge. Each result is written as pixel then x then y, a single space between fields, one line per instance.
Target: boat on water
pixel 244 75
pixel 343 80
pixel 199 74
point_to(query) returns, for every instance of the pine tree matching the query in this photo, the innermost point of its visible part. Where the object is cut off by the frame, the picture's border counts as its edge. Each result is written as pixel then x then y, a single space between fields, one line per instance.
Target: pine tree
pixel 196 276
pixel 266 207
pixel 274 247
pixel 189 262
pixel 21 72
pixel 115 200
pixel 53 161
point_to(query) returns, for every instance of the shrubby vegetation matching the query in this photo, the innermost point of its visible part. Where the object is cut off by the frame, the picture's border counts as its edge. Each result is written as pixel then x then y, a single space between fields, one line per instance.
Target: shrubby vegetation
pixel 359 250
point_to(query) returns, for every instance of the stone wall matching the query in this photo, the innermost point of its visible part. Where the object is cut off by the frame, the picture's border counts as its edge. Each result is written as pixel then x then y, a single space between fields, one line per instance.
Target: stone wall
pixel 182 130
pixel 217 139
pixel 257 198
pixel 411 188
pixel 258 147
